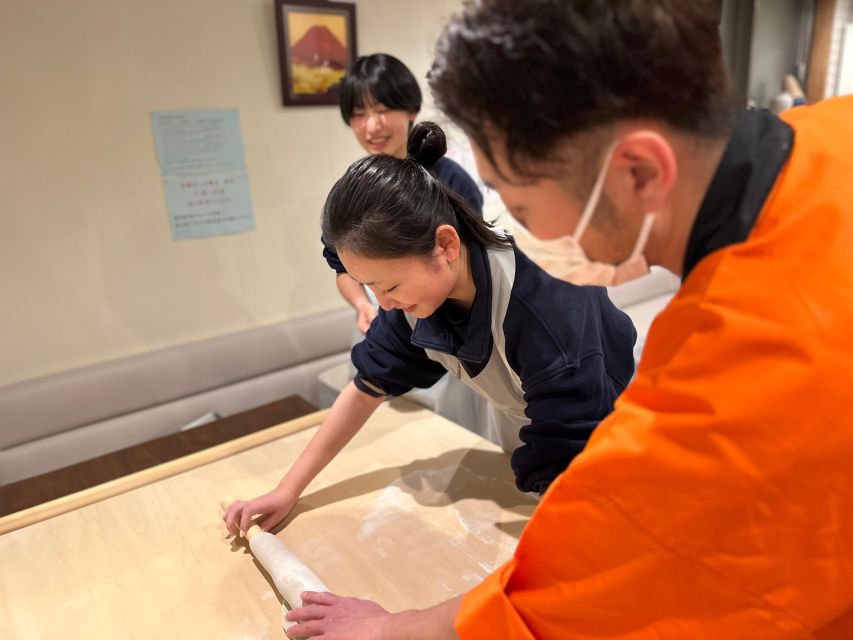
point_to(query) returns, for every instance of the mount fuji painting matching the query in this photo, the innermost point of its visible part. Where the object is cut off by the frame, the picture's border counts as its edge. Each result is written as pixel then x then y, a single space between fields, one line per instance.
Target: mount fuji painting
pixel 318 41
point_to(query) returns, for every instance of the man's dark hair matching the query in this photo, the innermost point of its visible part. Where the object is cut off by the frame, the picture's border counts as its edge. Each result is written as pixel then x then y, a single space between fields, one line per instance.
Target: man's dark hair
pixel 381 78
pixel 537 72
pixel 385 207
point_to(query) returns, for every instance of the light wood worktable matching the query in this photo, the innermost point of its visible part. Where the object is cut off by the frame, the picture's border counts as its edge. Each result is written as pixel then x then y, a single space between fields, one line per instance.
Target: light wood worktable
pixel 414 511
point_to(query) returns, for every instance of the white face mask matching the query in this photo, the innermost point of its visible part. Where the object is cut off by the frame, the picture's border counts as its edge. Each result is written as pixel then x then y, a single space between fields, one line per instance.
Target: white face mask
pixel 564 258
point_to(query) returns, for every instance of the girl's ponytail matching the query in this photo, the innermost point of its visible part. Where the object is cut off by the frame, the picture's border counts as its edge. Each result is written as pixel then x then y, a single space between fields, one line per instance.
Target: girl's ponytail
pixel 384 207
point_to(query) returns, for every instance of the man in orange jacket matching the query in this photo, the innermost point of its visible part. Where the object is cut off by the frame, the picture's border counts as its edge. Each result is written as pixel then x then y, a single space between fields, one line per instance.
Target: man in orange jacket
pixel 717 499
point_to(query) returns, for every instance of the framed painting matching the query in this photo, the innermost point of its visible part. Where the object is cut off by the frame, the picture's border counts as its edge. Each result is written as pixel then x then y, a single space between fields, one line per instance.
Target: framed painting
pixel 316 45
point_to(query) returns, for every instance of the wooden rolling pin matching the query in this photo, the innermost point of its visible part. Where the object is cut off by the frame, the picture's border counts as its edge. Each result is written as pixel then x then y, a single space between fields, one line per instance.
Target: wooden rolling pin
pixel 290 575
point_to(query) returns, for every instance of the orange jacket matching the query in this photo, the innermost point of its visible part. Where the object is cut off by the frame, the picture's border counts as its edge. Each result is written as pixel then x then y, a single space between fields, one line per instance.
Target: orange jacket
pixel 716 501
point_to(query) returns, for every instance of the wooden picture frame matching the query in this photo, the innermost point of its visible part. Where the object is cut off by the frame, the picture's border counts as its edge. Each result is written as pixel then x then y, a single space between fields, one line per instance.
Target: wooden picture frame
pixel 316 45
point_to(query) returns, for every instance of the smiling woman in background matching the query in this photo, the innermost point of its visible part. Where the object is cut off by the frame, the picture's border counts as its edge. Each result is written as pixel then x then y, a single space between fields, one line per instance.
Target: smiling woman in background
pixel 380 99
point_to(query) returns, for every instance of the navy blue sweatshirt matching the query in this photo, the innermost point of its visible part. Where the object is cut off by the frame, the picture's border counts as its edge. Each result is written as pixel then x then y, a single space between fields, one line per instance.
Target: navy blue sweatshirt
pixel 552 357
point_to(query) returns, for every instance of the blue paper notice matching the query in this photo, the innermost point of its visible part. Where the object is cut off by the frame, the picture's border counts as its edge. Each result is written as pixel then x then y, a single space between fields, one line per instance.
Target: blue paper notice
pixel 209 205
pixel 201 158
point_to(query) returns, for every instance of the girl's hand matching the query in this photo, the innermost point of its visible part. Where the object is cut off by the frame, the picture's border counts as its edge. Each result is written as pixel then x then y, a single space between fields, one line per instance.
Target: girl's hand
pixel 273 506
pixel 366 313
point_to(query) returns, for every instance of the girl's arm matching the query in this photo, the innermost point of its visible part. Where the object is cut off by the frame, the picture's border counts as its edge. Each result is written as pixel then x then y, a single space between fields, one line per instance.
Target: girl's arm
pixel 348 414
pixel 354 293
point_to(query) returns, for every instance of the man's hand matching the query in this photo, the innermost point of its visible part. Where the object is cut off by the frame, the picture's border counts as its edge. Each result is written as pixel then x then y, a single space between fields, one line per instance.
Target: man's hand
pixel 338 618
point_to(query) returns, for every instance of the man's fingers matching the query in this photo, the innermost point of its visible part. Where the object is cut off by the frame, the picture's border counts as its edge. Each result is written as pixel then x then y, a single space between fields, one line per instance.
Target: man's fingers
pixel 319 597
pixel 307 629
pixel 305 613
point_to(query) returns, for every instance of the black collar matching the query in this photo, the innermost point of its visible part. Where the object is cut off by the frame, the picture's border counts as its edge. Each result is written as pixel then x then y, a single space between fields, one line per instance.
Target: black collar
pixel 757 151
pixel 435 331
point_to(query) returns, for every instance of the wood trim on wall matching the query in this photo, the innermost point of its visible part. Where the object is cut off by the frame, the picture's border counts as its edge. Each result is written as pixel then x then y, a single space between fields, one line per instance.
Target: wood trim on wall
pixel 127 483
pixel 819 54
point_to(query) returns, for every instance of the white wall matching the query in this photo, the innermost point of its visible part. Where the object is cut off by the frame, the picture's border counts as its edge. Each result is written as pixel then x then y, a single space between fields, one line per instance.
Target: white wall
pixel 838 52
pixel 88 269
pixel 845 65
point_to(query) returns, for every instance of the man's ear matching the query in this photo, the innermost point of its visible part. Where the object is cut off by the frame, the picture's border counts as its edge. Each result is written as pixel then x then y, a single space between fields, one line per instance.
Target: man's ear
pixel 447 243
pixel 644 171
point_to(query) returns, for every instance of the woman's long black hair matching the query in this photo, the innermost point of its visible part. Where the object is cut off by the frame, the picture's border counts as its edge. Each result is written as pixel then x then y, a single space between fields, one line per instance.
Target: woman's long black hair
pixel 385 207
